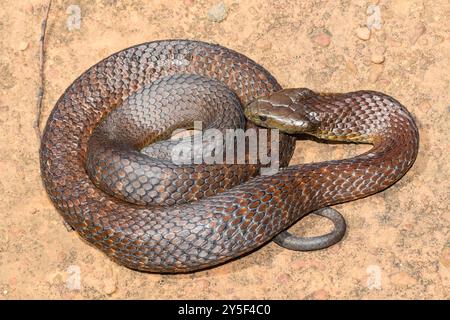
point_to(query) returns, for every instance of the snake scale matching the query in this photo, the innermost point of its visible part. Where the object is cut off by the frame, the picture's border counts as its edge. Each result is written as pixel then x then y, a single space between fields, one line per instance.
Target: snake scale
pixel 192 217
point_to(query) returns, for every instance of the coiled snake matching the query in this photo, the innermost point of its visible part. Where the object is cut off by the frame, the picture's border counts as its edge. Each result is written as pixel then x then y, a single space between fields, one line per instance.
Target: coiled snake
pixel 189 217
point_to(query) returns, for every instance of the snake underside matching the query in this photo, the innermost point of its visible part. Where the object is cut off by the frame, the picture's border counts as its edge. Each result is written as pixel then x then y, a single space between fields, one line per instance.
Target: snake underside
pixel 189 217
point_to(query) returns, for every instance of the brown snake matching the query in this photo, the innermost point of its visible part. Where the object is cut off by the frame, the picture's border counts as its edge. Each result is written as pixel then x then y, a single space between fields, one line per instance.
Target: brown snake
pixel 204 214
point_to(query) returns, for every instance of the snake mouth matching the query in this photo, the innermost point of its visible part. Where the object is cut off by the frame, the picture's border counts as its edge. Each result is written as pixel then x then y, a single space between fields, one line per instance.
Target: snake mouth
pixel 272 117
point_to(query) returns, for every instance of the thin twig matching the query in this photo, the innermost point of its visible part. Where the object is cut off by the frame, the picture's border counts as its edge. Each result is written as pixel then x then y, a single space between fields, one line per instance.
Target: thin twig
pixel 40 96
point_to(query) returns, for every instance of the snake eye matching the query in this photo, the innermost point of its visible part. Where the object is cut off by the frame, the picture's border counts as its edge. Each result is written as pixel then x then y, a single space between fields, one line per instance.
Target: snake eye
pixel 262 118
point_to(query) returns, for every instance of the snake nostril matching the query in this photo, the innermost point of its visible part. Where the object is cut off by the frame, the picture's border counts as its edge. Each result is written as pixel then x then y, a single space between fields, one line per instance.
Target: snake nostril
pixel 262 118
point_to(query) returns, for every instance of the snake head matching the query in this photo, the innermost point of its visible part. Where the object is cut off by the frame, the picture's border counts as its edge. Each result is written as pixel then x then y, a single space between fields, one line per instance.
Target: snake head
pixel 286 110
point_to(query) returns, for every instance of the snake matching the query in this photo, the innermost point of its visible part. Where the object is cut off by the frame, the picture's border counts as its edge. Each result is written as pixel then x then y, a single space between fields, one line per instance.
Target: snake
pixel 104 160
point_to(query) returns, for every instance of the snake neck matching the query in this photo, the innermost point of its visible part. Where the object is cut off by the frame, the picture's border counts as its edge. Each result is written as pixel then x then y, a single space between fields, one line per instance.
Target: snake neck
pixel 362 117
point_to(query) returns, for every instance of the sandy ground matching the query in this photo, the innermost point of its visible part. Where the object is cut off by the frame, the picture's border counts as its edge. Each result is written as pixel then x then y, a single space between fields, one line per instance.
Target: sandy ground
pixel 398 242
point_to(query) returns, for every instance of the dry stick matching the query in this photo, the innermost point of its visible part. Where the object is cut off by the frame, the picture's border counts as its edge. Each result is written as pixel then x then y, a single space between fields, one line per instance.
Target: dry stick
pixel 40 96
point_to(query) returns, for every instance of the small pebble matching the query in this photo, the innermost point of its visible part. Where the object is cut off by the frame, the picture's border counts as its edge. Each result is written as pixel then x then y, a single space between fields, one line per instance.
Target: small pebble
pixel 402 279
pixel 352 68
pixel 321 295
pixel 23 46
pixel 363 33
pixel 264 45
pixel 110 286
pixel 322 39
pixel 437 40
pixel 384 82
pixel 55 277
pixel 445 257
pixel 284 279
pixel 217 13
pixel 188 2
pixel 203 283
pixel 378 55
pixel 375 72
pixel 418 30
pixel 426 106
pixel 377 58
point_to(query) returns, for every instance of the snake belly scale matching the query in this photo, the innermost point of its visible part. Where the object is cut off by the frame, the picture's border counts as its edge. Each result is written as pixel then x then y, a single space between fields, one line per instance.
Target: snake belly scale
pixel 184 234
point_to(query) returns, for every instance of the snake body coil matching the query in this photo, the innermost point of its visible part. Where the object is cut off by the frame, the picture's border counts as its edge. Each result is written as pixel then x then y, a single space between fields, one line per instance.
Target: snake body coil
pixel 194 224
